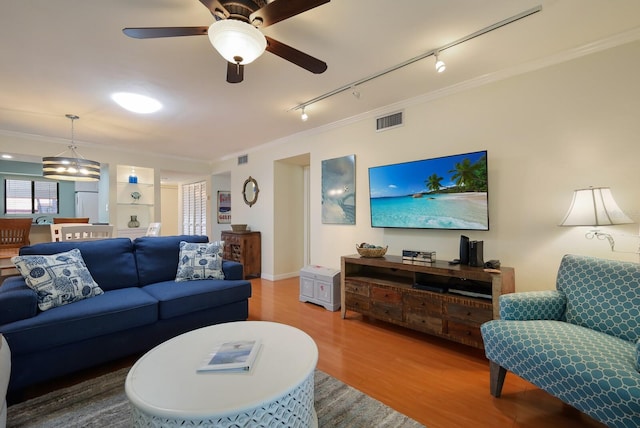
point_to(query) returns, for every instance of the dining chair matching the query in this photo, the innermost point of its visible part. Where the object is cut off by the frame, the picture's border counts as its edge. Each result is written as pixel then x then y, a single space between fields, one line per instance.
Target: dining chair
pixel 14 233
pixel 77 232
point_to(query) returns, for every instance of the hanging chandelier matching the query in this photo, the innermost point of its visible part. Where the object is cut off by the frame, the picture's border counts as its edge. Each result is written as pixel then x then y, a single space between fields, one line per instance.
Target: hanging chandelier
pixel 70 167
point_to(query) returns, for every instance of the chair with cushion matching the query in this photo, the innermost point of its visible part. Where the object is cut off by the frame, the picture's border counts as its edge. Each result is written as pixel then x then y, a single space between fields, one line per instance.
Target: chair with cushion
pixel 87 232
pixel 14 233
pixel 580 342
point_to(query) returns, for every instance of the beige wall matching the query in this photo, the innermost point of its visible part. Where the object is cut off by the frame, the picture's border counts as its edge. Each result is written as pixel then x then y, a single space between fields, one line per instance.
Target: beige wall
pixel 548 132
pixel 169 209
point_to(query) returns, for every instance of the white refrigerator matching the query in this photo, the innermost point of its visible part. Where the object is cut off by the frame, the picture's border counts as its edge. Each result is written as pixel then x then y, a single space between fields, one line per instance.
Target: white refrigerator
pixel 87 202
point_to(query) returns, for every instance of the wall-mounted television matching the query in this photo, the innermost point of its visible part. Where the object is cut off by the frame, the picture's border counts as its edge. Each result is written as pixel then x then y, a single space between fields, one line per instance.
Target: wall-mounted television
pixel 449 192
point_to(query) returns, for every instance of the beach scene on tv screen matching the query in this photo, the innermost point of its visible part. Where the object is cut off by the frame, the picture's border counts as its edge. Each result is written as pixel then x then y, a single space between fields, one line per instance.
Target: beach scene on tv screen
pixel 441 193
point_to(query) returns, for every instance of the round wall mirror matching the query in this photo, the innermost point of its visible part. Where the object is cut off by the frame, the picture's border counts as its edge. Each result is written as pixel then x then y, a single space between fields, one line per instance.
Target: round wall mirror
pixel 250 191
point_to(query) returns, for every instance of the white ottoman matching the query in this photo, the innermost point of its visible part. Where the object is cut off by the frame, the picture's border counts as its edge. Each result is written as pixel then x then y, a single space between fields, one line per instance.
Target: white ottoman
pixel 165 389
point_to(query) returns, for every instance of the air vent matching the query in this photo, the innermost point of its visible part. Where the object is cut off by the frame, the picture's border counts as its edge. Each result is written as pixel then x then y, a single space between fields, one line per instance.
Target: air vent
pixel 390 121
pixel 243 159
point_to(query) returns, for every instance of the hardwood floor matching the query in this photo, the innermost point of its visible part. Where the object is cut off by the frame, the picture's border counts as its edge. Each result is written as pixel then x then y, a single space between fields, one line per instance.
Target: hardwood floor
pixel 432 380
pixel 436 382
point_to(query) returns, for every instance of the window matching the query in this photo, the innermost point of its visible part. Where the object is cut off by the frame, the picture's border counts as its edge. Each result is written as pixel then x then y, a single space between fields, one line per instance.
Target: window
pixel 30 197
pixel 194 208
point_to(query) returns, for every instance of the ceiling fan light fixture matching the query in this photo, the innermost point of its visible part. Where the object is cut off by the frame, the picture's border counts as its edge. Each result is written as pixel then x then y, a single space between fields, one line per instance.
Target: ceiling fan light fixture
pixel 237 41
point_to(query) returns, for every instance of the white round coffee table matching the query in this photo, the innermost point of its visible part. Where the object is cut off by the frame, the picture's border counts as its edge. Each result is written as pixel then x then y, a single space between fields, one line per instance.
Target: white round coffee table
pixel 165 389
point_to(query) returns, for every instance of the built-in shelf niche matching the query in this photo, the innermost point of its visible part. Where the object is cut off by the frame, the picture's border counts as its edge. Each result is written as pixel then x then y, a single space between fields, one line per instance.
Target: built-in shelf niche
pixel 143 207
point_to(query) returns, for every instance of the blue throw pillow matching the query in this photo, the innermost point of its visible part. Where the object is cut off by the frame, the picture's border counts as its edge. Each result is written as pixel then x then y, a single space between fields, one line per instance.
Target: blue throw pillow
pixel 57 279
pixel 638 355
pixel 200 261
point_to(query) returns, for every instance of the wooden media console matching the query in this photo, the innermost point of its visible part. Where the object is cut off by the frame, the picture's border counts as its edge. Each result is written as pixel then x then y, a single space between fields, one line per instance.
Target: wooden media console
pixel 449 301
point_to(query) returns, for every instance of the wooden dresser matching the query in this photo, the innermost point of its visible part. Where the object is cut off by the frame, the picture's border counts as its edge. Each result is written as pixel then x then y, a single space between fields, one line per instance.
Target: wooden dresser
pixel 245 248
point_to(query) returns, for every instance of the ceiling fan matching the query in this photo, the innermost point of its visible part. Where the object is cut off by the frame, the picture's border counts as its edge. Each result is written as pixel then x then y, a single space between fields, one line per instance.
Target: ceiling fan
pixel 235 34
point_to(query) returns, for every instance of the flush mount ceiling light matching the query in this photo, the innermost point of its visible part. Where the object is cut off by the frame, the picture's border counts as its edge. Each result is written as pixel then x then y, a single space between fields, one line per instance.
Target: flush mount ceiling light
pixel 72 167
pixel 238 42
pixel 136 103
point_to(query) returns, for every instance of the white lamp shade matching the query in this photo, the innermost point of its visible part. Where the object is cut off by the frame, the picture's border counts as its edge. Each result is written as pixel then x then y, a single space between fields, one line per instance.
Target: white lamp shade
pixel 594 206
pixel 235 39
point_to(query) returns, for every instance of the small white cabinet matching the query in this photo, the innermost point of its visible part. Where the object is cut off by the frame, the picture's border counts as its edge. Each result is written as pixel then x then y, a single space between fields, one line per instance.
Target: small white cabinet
pixel 320 285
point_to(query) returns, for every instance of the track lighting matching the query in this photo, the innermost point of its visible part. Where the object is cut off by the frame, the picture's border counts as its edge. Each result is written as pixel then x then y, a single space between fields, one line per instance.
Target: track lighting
pixel 304 116
pixel 440 65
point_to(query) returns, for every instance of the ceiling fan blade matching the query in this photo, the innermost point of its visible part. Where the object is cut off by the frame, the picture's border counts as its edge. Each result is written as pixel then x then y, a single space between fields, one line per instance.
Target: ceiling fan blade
pixel 216 8
pixel 235 72
pixel 295 56
pixel 156 32
pixel 280 10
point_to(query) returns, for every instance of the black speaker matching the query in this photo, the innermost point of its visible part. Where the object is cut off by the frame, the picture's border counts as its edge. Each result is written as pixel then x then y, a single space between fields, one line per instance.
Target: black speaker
pixel 464 250
pixel 476 257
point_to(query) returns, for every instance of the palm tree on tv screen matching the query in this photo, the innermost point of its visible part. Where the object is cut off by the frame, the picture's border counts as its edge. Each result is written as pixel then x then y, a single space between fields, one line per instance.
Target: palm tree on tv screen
pixel 433 182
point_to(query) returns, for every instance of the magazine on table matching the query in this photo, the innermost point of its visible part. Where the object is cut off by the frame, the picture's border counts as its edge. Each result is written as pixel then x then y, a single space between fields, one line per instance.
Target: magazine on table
pixel 237 355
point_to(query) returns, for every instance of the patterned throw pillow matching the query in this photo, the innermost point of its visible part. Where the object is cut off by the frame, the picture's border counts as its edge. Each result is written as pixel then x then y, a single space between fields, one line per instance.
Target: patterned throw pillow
pixel 638 355
pixel 200 261
pixel 58 279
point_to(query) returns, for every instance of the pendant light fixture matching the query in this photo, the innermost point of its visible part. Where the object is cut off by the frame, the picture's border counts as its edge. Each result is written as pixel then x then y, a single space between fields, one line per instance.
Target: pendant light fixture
pixel 72 166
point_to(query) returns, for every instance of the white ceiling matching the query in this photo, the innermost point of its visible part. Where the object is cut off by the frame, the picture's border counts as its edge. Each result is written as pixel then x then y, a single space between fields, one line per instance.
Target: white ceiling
pixel 68 56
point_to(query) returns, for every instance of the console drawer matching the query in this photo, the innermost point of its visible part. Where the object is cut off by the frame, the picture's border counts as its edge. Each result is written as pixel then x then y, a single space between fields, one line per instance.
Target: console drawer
pixel 465 333
pixel 386 295
pixel 356 287
pixel 422 304
pixel 464 313
pixel 424 322
pixel 356 302
pixel 386 311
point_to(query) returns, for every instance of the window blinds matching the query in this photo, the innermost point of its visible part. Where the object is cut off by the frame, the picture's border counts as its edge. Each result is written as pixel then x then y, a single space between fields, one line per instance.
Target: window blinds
pixel 194 208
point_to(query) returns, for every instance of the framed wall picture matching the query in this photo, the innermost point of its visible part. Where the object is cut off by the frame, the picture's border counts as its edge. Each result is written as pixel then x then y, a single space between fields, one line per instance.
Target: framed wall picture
pixel 224 207
pixel 339 190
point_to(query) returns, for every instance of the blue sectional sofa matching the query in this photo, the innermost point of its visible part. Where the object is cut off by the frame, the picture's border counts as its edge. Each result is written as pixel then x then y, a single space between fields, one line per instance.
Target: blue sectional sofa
pixel 580 342
pixel 141 306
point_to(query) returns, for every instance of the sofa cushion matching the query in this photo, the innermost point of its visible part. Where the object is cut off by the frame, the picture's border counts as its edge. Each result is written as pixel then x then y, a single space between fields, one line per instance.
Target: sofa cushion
pixel 200 261
pixel 110 261
pixel 58 279
pixel 17 301
pixel 177 299
pixel 157 256
pixel 603 295
pixel 114 311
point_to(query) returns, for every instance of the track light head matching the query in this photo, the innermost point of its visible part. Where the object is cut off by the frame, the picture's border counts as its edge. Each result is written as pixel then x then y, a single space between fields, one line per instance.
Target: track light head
pixel 440 65
pixel 304 116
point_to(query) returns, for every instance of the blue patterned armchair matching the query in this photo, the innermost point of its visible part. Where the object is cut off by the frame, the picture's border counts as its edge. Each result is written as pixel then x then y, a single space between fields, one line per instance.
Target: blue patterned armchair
pixel 580 342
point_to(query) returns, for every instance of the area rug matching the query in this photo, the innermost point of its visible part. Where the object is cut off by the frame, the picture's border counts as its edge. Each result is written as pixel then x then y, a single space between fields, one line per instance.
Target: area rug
pixel 101 402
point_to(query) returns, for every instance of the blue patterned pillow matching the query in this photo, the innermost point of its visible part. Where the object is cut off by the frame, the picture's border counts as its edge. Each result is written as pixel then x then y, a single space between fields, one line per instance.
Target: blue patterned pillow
pixel 57 279
pixel 638 355
pixel 200 261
